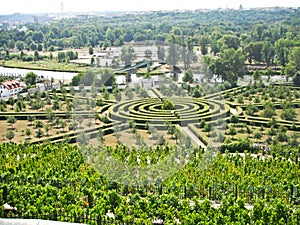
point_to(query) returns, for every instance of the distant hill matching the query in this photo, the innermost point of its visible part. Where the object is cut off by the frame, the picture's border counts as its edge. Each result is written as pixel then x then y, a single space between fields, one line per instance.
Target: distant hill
pixel 16 17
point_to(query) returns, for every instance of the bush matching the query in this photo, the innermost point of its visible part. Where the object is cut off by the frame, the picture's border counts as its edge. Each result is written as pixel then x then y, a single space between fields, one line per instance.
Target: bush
pixel 251 109
pixel 281 137
pixel 168 105
pixel 269 111
pixel 296 79
pixel 27 58
pixel 239 146
pixel 240 99
pixel 234 119
pixel 288 114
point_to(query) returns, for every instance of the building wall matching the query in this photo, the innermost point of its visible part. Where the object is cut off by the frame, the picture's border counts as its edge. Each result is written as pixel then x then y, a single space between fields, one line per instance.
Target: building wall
pixel 6 93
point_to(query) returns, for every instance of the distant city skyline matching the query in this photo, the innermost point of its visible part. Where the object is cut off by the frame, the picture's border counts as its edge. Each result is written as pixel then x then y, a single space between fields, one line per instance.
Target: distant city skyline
pixel 55 6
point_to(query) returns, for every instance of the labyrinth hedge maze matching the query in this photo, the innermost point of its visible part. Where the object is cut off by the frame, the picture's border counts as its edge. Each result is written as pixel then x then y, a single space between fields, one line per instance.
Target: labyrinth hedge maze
pixel 249 112
pixel 150 110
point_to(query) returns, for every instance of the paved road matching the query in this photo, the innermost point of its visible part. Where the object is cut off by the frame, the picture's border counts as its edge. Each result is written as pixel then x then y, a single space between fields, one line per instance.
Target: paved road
pixel 194 137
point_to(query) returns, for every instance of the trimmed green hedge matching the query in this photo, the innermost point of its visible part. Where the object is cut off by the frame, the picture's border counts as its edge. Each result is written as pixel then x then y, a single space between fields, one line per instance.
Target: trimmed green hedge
pixel 239 146
pixel 195 131
pixel 148 110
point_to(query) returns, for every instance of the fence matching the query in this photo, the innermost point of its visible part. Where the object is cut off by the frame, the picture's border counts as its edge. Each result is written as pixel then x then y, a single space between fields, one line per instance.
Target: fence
pixel 212 191
pixel 86 218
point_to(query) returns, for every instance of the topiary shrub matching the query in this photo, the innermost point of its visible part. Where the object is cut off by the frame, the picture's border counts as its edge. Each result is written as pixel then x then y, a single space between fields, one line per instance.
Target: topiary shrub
pixel 168 105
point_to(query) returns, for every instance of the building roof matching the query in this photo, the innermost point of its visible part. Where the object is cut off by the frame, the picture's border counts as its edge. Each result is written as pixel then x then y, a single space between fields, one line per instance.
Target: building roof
pixel 11 84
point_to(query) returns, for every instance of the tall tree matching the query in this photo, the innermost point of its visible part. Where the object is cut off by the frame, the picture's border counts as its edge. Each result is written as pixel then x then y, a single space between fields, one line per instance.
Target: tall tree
pixel 282 49
pixel 173 55
pixel 229 41
pixel 268 53
pixel 127 55
pixel 38 36
pixel 61 56
pixel 229 66
pixel 148 54
pixel 203 41
pixel 254 51
pixel 20 45
pixel 187 52
pixel 294 58
pixel 30 78
pixel 161 52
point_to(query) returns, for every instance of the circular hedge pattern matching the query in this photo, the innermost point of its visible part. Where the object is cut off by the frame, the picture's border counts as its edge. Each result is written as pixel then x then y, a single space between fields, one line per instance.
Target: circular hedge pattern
pixel 186 111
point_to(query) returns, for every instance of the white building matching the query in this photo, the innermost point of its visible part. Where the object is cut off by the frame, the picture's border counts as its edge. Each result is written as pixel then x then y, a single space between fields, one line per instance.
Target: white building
pixel 10 88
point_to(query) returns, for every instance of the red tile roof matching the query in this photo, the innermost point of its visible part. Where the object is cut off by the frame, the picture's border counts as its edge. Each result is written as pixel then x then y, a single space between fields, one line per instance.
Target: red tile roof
pixel 12 84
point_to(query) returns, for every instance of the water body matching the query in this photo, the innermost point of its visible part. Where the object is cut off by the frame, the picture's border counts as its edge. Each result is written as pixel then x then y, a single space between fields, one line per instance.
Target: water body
pixel 121 79
pixel 16 72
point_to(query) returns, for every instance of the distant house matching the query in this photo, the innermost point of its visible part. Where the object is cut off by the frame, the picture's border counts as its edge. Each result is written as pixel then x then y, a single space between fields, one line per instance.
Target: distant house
pixel 9 88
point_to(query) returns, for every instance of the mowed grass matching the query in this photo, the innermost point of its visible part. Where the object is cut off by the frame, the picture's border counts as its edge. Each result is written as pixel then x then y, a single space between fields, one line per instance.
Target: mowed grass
pixel 46 65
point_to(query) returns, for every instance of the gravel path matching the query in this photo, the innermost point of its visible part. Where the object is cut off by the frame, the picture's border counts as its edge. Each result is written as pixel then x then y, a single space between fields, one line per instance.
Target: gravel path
pixel 152 94
pixel 233 111
pixel 194 137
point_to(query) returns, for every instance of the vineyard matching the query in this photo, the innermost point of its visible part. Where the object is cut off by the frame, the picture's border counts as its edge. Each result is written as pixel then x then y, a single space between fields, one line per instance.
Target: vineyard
pixel 53 179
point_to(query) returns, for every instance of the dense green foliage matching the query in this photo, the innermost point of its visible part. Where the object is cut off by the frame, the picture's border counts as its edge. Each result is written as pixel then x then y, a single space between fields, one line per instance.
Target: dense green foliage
pixel 46 178
pixel 49 178
pixel 266 25
pixel 265 37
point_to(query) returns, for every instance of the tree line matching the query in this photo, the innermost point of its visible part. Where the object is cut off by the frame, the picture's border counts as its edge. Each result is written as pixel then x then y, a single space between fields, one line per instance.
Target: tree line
pixel 254 36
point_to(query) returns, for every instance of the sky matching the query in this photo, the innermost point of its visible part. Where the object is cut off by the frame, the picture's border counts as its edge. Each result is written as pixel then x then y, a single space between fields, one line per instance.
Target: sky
pixel 51 6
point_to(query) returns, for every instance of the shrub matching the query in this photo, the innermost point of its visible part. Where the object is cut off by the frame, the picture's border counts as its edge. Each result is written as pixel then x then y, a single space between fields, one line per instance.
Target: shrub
pixel 251 109
pixel 240 99
pixel 234 119
pixel 269 111
pixel 296 79
pixel 202 123
pixel 168 105
pixel 239 146
pixel 27 58
pixel 288 114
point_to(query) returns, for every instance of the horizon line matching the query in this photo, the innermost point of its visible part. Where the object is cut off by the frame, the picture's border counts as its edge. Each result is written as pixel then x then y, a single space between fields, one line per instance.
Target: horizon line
pixel 158 10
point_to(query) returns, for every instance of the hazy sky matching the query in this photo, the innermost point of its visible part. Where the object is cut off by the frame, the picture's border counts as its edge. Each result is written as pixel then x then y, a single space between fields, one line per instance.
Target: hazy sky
pixel 49 6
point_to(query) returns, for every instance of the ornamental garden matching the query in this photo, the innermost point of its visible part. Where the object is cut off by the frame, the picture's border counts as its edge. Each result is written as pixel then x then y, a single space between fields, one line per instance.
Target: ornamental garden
pixel 203 129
